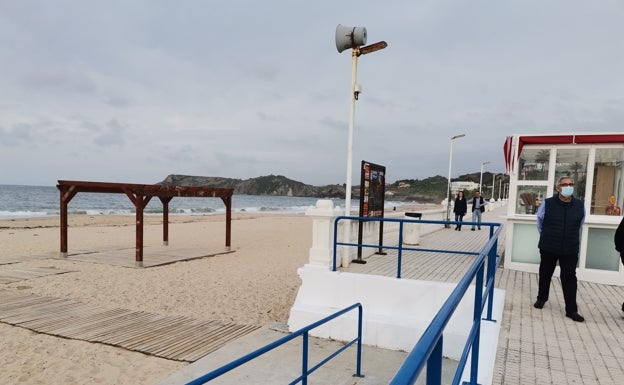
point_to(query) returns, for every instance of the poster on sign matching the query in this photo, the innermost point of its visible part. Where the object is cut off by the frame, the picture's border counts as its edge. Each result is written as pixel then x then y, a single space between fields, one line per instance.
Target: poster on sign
pixel 372 193
pixel 372 190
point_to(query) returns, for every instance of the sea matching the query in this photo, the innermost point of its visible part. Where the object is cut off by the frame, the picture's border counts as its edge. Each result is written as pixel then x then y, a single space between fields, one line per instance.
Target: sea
pixel 44 201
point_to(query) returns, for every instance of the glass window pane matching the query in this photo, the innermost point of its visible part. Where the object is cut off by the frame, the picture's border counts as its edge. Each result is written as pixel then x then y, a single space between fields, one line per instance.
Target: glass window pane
pixel 608 180
pixel 534 164
pixel 573 164
pixel 525 238
pixel 529 199
pixel 601 254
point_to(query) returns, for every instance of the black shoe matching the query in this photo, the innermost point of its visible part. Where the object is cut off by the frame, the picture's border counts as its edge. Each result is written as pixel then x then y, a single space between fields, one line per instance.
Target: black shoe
pixel 471 229
pixel 623 307
pixel 479 228
pixel 539 304
pixel 576 317
pixel 458 229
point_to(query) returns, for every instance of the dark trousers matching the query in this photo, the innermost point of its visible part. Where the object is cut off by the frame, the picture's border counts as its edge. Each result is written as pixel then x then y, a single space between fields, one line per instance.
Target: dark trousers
pixel 459 218
pixel 568 277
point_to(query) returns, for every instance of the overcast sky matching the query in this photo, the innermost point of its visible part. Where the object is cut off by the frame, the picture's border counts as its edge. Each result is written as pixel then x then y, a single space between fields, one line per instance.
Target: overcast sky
pixel 131 91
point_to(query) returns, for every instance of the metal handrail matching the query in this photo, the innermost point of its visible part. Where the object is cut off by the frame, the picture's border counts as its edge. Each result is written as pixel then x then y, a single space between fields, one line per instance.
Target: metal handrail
pixel 428 350
pixel 400 248
pixel 305 371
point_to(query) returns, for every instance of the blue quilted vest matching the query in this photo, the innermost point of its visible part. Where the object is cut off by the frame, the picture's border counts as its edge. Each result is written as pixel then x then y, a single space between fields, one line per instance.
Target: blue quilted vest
pixel 561 226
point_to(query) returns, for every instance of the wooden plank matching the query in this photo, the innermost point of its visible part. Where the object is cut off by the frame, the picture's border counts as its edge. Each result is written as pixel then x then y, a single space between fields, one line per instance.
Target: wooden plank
pixel 158 328
pixel 190 329
pixel 88 322
pixel 190 341
pixel 74 314
pixel 212 345
pixel 107 327
pixel 32 311
pixel 172 337
pixel 194 351
pixel 142 324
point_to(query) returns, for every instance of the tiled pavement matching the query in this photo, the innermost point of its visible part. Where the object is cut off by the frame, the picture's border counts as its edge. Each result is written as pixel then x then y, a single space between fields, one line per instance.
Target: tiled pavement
pixel 534 346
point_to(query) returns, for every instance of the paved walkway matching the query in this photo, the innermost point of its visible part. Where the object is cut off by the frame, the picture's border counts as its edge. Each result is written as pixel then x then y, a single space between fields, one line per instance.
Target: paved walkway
pixel 544 347
pixel 540 346
pixel 535 346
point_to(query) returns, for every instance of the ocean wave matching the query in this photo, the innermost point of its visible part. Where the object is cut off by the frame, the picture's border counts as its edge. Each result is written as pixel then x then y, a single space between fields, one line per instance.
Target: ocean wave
pixel 42 201
pixel 24 214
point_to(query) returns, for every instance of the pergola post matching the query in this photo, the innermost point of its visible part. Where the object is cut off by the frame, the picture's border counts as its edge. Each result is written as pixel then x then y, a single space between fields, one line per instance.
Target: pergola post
pixel 140 201
pixel 165 202
pixel 66 195
pixel 228 222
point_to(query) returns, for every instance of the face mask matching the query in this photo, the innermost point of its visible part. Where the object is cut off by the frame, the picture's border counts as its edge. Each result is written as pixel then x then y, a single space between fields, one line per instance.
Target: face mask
pixel 567 191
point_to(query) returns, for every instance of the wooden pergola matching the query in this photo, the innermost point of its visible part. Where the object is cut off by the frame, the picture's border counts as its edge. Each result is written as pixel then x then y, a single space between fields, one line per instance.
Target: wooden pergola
pixel 140 195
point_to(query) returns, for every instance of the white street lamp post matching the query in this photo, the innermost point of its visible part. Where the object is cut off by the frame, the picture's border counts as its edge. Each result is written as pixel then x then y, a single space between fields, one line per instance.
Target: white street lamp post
pixel 350 141
pixel 448 187
pixel 354 38
pixel 481 178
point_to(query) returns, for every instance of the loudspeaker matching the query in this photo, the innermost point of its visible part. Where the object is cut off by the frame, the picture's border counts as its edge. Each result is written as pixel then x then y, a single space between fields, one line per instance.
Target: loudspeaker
pixel 349 37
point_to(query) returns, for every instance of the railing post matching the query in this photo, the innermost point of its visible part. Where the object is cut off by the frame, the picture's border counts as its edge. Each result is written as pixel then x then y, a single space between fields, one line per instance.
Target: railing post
pixel 304 360
pixel 474 359
pixel 358 370
pixel 434 364
pixel 491 276
pixel 400 252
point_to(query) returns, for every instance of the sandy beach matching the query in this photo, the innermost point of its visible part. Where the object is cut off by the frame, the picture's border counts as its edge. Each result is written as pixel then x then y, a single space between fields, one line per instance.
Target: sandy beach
pixel 254 285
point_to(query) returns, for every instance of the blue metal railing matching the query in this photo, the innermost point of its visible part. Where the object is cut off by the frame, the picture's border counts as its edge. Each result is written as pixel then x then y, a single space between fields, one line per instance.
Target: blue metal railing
pixel 428 350
pixel 304 332
pixel 400 247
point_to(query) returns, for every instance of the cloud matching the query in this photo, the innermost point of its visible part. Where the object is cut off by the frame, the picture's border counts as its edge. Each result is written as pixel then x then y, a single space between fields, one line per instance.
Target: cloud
pixel 248 88
pixel 65 82
pixel 16 136
pixel 112 134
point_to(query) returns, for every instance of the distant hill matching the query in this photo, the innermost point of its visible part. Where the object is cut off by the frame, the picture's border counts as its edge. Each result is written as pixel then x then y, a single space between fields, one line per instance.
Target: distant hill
pixel 265 185
pixel 432 189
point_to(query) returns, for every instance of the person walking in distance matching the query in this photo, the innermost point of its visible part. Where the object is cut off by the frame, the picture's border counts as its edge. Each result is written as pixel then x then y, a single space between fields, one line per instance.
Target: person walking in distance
pixel 478 207
pixel 559 222
pixel 459 208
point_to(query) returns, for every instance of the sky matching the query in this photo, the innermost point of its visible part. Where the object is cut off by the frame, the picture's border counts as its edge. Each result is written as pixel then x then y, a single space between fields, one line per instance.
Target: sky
pixel 132 91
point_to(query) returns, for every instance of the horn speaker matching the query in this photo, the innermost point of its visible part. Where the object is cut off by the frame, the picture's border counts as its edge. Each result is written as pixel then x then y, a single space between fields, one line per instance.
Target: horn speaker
pixel 349 37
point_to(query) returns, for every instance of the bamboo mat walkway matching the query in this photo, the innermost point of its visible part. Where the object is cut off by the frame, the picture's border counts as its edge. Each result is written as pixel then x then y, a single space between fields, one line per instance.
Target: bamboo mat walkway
pixel 171 337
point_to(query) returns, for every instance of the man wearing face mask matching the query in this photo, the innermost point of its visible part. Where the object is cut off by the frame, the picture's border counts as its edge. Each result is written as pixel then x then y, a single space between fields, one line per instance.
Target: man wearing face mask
pixel 559 221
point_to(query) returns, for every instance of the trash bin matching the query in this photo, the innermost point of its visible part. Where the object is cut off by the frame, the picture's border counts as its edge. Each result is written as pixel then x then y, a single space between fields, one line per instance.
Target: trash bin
pixel 411 231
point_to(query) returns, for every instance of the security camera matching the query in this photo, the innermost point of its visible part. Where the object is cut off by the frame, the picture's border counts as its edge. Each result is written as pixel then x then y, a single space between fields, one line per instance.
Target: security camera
pixel 357 90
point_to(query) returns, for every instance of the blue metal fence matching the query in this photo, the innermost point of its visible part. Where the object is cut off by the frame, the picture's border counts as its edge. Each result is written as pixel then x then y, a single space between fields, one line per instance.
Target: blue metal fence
pixel 304 333
pixel 428 350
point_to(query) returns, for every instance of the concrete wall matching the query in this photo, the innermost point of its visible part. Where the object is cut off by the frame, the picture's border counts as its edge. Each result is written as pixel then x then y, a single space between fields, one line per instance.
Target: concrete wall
pixel 396 311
